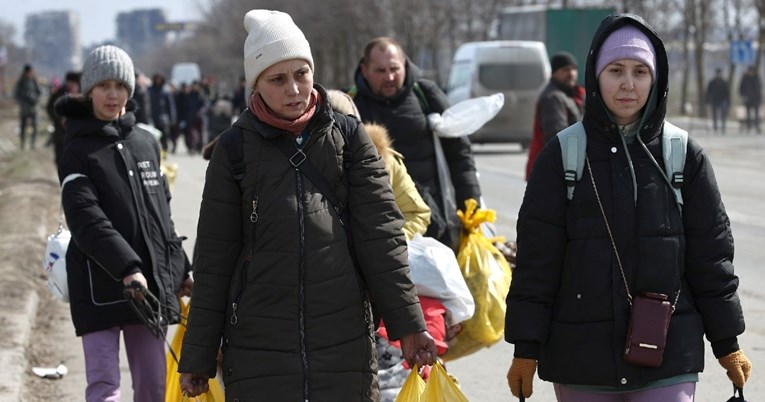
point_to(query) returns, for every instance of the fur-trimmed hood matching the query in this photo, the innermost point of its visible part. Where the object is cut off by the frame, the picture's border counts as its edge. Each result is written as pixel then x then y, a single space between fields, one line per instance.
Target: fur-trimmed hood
pixel 379 135
pixel 384 144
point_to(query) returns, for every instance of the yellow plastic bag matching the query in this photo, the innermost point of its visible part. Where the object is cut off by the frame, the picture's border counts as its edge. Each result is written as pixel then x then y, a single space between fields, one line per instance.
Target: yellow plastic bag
pixel 488 277
pixel 441 388
pixel 413 387
pixel 170 170
pixel 173 385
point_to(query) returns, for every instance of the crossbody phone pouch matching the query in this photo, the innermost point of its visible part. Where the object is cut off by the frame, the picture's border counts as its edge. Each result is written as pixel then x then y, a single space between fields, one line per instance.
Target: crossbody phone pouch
pixel 647 332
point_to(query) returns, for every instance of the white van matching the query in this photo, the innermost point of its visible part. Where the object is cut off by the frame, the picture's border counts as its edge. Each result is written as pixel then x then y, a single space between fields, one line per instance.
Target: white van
pixel 185 73
pixel 519 69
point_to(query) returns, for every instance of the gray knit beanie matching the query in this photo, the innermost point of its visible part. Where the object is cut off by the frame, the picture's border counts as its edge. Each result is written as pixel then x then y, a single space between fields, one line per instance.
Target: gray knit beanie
pixel 272 37
pixel 107 63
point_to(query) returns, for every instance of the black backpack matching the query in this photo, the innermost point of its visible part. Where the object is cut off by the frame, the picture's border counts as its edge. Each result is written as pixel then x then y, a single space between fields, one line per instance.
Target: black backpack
pixel 232 140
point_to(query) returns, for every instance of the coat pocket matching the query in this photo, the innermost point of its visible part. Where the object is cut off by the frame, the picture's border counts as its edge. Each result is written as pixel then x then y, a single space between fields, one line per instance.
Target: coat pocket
pixel 103 289
pixel 177 262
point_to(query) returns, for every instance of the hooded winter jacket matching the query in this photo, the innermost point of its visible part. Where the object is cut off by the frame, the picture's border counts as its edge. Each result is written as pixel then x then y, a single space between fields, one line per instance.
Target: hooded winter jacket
pixel 407 123
pixel 118 209
pixel 413 207
pixel 568 303
pixel 274 277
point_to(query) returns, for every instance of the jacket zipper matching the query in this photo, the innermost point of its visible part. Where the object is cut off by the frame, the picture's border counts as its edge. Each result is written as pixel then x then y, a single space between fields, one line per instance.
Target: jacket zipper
pixel 301 279
pixel 250 254
pixel 137 191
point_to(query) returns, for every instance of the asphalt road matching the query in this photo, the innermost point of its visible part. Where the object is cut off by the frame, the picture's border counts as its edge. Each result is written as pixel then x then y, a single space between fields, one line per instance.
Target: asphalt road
pixel 739 165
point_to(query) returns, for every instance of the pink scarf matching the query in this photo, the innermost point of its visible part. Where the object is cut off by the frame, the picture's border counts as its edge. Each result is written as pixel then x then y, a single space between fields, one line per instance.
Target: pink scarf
pixel 259 108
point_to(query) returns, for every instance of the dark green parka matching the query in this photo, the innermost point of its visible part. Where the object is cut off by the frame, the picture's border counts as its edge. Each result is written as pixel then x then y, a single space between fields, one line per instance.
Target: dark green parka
pixel 274 279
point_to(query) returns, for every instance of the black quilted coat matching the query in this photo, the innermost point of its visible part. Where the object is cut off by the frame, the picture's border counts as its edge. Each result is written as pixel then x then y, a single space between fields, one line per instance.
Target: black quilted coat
pixel 118 210
pixel 274 278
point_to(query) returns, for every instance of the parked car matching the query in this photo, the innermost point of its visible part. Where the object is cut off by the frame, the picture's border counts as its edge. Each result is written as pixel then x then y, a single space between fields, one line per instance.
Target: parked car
pixel 518 69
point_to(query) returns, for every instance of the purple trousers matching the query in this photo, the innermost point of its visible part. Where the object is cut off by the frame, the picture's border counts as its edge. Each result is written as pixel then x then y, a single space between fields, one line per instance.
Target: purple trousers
pixel 146 358
pixel 683 392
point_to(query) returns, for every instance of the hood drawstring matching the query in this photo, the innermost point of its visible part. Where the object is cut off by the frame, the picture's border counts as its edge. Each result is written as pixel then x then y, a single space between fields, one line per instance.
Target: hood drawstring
pixel 656 164
pixel 629 132
pixel 622 135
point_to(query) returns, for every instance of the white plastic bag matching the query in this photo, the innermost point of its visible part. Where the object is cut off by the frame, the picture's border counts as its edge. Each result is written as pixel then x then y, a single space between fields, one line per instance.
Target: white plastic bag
pixel 54 260
pixel 436 273
pixel 54 263
pixel 466 117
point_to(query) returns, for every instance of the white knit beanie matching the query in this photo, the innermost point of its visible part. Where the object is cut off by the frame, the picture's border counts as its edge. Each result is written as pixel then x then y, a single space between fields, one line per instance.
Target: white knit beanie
pixel 107 62
pixel 272 37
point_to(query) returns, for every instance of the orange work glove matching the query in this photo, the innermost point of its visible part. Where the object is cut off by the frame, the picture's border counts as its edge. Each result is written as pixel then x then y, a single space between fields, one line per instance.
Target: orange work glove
pixel 738 367
pixel 520 377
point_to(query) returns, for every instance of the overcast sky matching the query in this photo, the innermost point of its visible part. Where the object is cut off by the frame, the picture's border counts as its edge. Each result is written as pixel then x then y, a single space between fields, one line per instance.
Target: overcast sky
pixel 97 17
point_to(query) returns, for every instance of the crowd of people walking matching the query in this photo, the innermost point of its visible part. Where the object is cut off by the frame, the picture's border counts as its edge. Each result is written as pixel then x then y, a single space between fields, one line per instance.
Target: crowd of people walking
pixel 300 269
pixel 188 112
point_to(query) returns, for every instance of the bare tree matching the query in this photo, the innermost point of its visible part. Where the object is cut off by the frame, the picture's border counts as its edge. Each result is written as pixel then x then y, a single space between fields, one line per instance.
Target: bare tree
pixel 429 30
pixel 702 23
pixel 733 27
pixel 760 6
pixel 696 21
pixel 7 31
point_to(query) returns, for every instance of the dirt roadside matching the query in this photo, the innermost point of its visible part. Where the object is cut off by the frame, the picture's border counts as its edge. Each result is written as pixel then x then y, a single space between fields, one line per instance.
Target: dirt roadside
pixel 35 328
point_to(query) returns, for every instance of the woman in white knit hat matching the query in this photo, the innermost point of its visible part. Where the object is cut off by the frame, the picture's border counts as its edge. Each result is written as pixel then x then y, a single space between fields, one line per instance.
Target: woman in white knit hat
pixel 590 264
pixel 116 203
pixel 279 284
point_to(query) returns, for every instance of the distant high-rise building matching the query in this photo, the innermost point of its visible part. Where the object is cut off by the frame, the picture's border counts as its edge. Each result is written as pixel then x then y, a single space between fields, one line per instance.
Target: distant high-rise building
pixel 138 33
pixel 52 41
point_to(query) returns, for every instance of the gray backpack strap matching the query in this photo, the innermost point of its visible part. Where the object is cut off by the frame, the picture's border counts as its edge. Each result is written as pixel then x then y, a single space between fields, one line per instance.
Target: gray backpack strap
pixel 573 144
pixel 674 142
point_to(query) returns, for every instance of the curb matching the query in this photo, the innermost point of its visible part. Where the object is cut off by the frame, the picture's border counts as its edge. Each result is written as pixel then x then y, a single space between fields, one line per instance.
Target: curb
pixel 17 322
pixel 26 188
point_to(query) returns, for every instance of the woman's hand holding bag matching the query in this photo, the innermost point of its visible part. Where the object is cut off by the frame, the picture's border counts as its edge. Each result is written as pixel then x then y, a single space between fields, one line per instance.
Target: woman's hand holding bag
pixel 520 377
pixel 419 349
pixel 737 366
pixel 439 388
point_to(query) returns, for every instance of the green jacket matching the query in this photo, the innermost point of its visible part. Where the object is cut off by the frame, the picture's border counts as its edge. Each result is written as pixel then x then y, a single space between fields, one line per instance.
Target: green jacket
pixel 301 329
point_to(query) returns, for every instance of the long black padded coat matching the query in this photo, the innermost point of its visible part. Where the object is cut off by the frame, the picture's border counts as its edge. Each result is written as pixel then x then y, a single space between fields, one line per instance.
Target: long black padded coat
pixel 567 305
pixel 118 209
pixel 292 319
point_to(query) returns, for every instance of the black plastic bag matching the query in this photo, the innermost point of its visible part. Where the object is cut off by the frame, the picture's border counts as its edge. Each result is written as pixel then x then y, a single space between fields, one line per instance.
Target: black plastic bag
pixel 737 391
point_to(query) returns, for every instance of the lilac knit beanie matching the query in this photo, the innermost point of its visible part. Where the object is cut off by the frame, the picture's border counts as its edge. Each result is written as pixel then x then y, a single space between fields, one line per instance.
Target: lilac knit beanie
pixel 627 42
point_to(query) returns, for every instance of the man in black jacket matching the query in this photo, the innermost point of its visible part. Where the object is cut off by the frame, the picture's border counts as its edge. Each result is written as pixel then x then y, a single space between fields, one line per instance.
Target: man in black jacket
pixel 162 106
pixel 558 106
pixel 141 97
pixel 71 86
pixel 27 93
pixel 718 98
pixel 389 91
pixel 750 90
